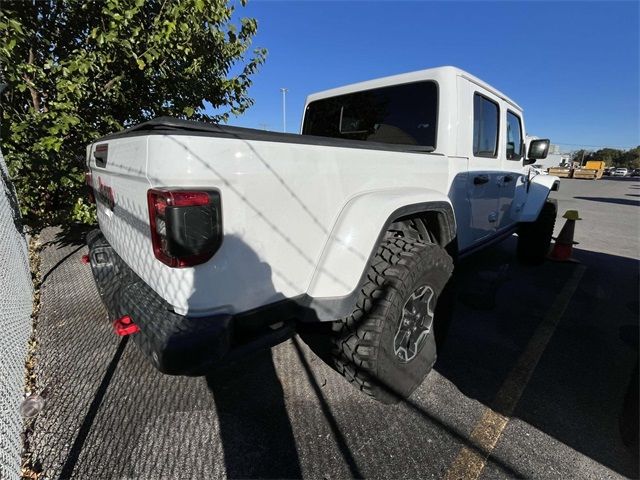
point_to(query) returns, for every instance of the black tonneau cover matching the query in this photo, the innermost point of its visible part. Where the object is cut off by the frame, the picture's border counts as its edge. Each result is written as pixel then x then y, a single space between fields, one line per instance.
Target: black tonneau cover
pixel 176 126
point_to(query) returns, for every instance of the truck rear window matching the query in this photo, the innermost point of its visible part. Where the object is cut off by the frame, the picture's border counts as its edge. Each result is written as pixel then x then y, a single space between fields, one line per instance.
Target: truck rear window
pixel 400 114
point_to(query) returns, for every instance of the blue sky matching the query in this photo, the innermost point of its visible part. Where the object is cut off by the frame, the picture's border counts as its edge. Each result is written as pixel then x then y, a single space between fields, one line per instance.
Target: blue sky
pixel 573 66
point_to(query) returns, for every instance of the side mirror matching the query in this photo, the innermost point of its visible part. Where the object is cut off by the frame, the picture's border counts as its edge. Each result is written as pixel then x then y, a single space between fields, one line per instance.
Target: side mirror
pixel 538 149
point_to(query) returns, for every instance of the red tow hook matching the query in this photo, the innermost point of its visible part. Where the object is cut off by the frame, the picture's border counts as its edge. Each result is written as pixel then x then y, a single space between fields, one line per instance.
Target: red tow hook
pixel 124 326
pixel 85 259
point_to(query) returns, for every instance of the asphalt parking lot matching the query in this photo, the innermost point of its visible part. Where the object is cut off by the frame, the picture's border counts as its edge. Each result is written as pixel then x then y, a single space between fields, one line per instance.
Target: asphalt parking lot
pixel 530 384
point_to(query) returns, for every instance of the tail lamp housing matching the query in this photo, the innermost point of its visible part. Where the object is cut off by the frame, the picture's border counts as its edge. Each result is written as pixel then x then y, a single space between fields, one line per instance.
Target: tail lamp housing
pixel 88 180
pixel 186 225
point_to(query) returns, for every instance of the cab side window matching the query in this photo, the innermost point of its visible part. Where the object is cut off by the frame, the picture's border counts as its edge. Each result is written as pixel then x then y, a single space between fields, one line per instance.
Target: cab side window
pixel 486 125
pixel 405 114
pixel 514 137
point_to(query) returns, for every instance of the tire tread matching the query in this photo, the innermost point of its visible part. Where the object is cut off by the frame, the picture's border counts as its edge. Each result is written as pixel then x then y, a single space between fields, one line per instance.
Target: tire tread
pixel 357 337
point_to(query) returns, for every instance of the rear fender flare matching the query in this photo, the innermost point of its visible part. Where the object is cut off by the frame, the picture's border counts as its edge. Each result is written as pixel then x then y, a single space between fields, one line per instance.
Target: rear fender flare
pixel 354 239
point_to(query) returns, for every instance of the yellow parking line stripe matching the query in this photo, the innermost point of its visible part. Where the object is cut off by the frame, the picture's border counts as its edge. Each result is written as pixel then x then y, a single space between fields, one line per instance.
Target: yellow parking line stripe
pixel 469 463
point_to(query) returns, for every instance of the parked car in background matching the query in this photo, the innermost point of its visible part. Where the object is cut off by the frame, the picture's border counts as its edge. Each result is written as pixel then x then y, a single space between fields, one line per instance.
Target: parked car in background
pixel 635 172
pixel 620 172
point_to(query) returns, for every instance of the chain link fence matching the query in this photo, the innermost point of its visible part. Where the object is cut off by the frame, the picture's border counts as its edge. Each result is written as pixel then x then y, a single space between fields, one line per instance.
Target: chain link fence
pixel 15 324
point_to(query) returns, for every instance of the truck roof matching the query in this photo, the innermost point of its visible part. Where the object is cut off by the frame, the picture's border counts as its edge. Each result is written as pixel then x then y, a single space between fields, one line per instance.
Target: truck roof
pixel 407 78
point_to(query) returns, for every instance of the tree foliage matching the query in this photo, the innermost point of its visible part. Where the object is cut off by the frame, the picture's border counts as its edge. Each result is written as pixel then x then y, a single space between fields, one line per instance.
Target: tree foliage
pixel 611 156
pixel 78 69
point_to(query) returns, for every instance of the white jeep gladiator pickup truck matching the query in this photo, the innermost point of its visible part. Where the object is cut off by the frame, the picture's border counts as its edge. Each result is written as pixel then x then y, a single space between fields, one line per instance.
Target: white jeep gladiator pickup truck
pixel 216 241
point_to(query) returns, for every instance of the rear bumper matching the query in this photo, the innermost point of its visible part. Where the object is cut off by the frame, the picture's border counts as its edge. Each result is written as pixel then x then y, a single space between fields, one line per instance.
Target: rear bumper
pixel 177 344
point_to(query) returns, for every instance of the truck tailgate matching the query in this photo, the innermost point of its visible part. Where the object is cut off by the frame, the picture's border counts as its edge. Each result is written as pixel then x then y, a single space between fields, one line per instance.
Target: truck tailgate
pixel 119 179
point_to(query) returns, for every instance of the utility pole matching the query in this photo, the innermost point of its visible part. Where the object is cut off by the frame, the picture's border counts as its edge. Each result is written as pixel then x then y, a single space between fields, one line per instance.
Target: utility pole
pixel 284 108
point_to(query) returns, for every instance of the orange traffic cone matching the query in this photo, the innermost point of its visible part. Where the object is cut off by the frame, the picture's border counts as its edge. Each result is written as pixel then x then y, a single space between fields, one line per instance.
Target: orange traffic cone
pixel 563 247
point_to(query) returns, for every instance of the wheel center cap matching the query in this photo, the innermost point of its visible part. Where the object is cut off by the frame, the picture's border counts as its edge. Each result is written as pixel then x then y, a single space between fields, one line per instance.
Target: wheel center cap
pixel 415 323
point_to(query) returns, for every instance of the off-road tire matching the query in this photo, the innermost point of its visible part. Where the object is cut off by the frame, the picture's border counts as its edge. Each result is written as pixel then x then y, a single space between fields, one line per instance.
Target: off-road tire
pixel 534 238
pixel 363 343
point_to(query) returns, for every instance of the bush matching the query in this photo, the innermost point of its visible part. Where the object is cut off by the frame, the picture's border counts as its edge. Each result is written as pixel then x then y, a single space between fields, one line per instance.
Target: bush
pixel 77 70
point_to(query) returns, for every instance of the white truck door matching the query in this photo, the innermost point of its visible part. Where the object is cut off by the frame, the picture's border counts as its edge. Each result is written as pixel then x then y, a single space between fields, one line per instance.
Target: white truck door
pixel 483 188
pixel 511 177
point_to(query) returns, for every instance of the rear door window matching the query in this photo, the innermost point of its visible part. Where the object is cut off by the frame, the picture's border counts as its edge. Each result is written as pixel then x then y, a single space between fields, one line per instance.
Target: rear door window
pixel 486 118
pixel 400 114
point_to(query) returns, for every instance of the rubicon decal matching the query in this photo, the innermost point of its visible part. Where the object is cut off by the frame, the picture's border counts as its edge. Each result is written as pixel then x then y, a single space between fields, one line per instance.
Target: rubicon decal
pixel 105 194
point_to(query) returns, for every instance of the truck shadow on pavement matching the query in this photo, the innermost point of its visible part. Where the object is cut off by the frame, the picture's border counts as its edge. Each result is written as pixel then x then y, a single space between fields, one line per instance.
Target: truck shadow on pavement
pixel 619 201
pixel 578 387
pixel 112 415
pixel 255 429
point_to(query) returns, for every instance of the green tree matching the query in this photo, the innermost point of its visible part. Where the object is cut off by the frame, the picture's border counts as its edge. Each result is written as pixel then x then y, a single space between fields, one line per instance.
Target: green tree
pixel 612 156
pixel 631 158
pixel 78 69
pixel 609 155
pixel 581 156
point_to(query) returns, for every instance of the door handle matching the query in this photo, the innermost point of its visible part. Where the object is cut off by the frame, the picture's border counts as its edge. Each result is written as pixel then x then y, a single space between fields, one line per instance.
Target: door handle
pixel 480 179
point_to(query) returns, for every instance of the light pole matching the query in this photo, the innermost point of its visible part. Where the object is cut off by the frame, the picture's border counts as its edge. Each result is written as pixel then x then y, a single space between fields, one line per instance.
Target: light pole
pixel 284 108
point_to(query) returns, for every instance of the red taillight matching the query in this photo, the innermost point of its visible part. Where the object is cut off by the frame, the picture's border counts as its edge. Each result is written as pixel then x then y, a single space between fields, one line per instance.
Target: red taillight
pixel 88 179
pixel 160 204
pixel 186 225
pixel 188 199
